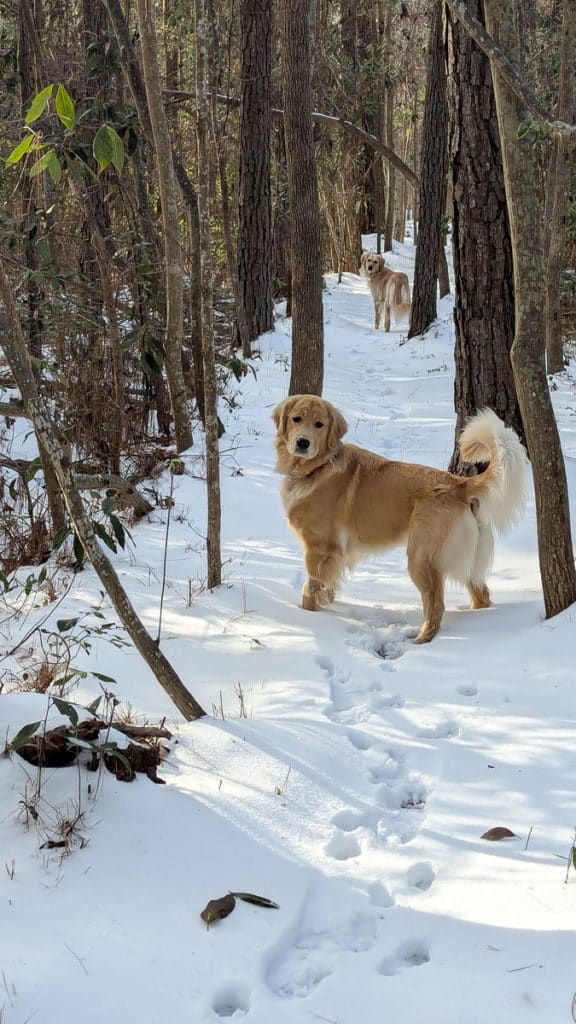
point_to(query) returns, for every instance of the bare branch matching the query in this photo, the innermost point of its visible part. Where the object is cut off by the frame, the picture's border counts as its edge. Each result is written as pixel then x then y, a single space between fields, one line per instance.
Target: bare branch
pixel 510 73
pixel 331 121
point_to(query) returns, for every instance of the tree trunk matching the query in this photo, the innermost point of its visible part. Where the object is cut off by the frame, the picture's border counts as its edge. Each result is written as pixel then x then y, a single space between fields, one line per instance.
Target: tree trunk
pixel 483 271
pixel 433 182
pixel 559 186
pixel 171 228
pixel 255 196
pixel 520 174
pixel 133 74
pixel 307 323
pixel 214 557
pixel 18 359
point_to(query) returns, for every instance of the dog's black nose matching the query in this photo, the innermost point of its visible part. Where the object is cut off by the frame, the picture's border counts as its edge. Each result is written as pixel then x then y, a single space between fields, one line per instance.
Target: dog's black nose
pixel 302 444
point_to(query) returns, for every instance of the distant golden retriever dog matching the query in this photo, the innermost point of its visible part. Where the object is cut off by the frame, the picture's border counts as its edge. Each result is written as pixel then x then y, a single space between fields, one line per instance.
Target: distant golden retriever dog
pixel 344 502
pixel 390 289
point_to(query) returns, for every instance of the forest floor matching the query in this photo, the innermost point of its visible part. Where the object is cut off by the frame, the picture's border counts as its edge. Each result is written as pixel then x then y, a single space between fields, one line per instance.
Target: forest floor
pixel 343 772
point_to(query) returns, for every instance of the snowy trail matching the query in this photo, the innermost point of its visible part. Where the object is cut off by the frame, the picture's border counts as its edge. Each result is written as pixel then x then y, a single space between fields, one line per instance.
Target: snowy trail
pixel 356 789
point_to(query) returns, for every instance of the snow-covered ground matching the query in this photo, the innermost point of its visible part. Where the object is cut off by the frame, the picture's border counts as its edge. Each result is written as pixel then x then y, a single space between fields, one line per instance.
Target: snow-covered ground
pixel 354 793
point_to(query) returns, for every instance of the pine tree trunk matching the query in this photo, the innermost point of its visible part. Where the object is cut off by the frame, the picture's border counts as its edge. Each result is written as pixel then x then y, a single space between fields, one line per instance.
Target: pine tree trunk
pixel 307 323
pixel 433 182
pixel 213 547
pixel 171 228
pixel 528 361
pixel 483 270
pixel 559 187
pixel 255 196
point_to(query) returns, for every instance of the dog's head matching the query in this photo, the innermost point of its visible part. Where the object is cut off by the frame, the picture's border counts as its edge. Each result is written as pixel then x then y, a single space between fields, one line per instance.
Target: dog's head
pixel 371 264
pixel 308 429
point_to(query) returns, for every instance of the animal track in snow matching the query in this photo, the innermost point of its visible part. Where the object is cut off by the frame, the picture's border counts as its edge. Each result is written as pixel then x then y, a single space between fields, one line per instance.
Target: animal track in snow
pixel 467 691
pixel 327 931
pixel 388 769
pixel 421 875
pixel 359 739
pixel 411 954
pixel 409 795
pixel 379 895
pixel 343 846
pixel 348 820
pixel 298 974
pixel 326 664
pixel 230 1003
pixel 441 731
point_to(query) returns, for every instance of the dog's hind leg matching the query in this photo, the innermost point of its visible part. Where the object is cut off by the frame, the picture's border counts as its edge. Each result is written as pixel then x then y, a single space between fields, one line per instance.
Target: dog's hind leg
pixel 429 581
pixel 424 549
pixel 386 317
pixel 476 585
pixel 377 314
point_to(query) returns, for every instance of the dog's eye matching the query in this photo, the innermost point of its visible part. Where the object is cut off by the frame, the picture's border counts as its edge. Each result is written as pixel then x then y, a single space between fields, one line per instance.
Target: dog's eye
pixel 296 419
pixel 318 424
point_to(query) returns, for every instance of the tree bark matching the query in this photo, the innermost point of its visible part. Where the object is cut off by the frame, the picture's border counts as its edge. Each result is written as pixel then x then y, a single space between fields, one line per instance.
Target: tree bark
pixel 307 327
pixel 255 196
pixel 520 173
pixel 483 270
pixel 171 228
pixel 433 182
pixel 20 365
pixel 213 546
pixel 307 322
pixel 559 186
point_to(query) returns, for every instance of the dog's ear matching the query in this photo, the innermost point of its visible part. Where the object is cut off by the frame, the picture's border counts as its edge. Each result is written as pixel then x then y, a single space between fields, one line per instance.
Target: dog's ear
pixel 382 262
pixel 282 411
pixel 337 427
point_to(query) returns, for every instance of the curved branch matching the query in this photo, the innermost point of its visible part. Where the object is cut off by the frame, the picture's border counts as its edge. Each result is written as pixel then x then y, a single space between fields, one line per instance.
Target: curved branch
pixel 331 121
pixel 510 73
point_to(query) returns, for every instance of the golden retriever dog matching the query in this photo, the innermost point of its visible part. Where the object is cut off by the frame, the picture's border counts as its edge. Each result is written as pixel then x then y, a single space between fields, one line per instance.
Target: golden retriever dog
pixel 390 289
pixel 344 502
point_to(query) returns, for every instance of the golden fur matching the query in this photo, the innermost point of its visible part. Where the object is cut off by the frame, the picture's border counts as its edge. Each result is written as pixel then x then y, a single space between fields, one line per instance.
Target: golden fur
pixel 343 502
pixel 390 289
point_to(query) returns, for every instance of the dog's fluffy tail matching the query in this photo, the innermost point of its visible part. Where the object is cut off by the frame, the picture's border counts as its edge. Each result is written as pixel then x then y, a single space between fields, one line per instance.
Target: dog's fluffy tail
pixel 501 488
pixel 402 304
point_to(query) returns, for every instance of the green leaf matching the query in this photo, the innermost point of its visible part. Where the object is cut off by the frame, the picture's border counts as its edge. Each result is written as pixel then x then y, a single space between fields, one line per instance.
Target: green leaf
pixel 5 582
pixel 45 163
pixel 119 531
pixel 21 149
pixel 60 537
pixel 101 532
pixel 22 737
pixel 32 469
pixel 108 148
pixel 65 107
pixel 259 901
pixel 66 709
pixel 63 625
pixel 79 553
pixel 574 856
pixel 38 105
pixel 53 167
pixel 44 249
pixel 103 679
pixel 93 707
pixel 74 741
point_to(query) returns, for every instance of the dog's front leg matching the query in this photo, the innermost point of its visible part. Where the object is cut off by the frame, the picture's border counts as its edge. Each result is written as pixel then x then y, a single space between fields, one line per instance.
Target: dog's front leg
pixel 324 570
